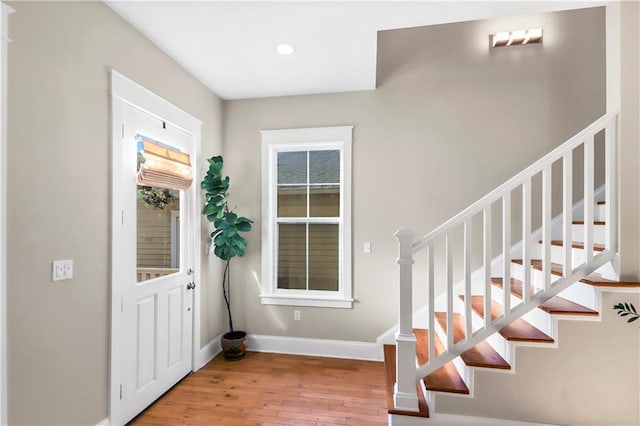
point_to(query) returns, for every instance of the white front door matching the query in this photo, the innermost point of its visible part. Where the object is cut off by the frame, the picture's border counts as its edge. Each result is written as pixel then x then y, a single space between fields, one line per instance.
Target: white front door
pixel 157 261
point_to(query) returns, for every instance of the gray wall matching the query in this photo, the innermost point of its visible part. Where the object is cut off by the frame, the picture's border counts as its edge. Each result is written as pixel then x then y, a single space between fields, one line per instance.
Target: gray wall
pixel 450 120
pixel 629 147
pixel 58 197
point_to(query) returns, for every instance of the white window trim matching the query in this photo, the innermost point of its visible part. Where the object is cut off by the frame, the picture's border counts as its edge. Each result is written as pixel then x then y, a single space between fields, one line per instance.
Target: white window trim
pixel 5 11
pixel 298 140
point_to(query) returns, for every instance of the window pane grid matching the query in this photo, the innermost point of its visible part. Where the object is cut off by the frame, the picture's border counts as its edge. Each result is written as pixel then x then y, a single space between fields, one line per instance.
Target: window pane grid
pixel 312 204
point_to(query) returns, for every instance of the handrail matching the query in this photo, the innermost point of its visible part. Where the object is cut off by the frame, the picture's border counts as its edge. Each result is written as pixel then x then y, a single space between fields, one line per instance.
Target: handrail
pixel 517 180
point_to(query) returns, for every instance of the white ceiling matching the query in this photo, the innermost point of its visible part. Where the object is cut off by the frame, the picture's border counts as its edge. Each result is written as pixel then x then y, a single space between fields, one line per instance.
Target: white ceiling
pixel 230 46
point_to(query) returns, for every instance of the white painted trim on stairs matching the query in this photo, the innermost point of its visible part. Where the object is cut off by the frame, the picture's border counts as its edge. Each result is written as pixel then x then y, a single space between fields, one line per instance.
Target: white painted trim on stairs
pixel 438 419
pixel 367 351
pixel 209 351
pixel 104 422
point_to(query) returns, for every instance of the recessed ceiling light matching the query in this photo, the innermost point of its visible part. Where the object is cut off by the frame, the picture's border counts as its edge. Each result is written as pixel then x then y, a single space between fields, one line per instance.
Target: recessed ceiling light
pixel 285 49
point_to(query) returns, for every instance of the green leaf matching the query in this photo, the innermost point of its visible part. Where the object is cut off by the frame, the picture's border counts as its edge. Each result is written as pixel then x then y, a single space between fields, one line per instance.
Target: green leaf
pixel 633 308
pixel 232 218
pixel 221 223
pixel 210 209
pixel 230 232
pixel 220 239
pixel 219 252
pixel 633 319
pixel 243 226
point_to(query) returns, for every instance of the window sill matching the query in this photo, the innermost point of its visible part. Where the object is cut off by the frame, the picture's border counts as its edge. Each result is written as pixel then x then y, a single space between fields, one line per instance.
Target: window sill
pixel 291 300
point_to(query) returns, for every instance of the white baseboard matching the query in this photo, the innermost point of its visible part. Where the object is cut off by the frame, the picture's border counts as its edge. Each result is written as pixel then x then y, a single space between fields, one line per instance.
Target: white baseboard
pixel 104 422
pixel 316 347
pixel 209 351
pixel 438 419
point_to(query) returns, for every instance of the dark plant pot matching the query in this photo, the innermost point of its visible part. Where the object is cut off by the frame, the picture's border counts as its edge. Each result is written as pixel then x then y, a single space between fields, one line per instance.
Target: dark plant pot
pixel 234 345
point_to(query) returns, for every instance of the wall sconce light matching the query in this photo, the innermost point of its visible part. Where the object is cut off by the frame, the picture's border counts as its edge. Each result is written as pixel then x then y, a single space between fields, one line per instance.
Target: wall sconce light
pixel 518 37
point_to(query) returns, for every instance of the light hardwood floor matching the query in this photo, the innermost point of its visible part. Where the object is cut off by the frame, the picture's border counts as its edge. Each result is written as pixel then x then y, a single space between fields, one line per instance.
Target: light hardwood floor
pixel 275 389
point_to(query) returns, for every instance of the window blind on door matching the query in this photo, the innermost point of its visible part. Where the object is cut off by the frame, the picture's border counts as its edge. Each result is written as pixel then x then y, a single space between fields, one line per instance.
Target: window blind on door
pixel 162 166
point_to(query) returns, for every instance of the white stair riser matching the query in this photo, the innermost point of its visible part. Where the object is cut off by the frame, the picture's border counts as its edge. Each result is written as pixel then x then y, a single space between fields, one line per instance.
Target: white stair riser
pixel 540 319
pixel 599 213
pixel 580 293
pixel 497 342
pixel 598 233
pixel 557 255
pixel 464 371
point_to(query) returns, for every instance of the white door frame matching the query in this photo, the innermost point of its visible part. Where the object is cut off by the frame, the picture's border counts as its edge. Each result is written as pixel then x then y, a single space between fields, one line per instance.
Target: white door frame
pixel 5 11
pixel 125 91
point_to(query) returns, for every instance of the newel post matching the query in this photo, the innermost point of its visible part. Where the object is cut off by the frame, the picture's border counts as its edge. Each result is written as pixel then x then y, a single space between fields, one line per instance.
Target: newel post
pixel 404 394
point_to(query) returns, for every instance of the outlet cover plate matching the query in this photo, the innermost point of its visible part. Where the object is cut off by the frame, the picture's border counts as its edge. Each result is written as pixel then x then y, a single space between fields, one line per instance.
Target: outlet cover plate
pixel 62 270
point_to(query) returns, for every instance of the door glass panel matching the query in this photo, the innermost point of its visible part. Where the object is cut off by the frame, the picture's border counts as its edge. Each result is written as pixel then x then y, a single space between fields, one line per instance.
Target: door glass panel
pixel 323 257
pixel 292 240
pixel 158 226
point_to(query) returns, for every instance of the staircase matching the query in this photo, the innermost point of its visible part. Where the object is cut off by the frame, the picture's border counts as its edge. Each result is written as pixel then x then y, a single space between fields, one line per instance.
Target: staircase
pixel 524 279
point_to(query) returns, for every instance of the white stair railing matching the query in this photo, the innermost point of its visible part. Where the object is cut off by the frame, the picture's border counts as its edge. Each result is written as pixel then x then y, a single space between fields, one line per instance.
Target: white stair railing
pixel 536 289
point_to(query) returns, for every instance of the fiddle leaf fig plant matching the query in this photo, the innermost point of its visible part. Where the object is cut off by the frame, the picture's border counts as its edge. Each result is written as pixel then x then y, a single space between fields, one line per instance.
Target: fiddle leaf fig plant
pixel 227 225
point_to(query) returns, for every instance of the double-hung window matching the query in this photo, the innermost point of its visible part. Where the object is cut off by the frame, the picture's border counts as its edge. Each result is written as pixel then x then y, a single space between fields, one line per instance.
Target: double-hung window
pixel 306 212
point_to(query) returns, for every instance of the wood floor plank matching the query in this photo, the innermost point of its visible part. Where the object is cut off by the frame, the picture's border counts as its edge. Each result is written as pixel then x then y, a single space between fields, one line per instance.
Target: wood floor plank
pixel 482 354
pixel 518 331
pixel 275 389
pixel 556 305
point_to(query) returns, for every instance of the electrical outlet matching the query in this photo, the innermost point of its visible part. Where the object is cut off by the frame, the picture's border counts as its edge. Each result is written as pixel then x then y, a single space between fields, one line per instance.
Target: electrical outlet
pixel 366 247
pixel 62 270
pixel 296 315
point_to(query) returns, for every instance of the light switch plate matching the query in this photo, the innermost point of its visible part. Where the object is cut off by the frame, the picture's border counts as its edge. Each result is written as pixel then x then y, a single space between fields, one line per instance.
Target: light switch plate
pixel 62 270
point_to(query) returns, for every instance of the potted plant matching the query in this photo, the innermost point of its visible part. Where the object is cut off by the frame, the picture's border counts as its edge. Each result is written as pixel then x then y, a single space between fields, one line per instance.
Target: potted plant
pixel 228 243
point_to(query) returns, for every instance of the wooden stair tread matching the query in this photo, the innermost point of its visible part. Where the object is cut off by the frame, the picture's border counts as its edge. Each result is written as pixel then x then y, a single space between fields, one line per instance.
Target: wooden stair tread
pixel 594 278
pixel 518 331
pixel 445 378
pixel 576 245
pixel 581 222
pixel 601 203
pixel 390 376
pixel 480 355
pixel 556 305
